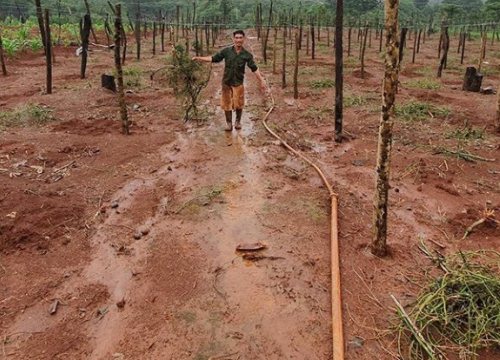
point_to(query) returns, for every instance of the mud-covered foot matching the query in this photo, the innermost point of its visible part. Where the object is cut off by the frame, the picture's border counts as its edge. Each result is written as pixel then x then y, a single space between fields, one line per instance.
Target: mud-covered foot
pixel 237 125
pixel 229 126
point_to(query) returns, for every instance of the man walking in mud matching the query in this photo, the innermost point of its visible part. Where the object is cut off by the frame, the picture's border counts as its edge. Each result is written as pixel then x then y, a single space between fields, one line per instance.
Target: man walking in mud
pixel 235 57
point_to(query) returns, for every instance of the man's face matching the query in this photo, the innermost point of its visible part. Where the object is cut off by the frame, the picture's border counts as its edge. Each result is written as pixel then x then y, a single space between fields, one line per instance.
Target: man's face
pixel 238 40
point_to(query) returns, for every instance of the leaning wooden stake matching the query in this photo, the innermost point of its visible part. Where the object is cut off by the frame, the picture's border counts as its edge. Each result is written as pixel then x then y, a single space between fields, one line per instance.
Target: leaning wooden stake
pixel 379 244
pixel 2 59
pixel 48 51
pixel 87 7
pixel 119 70
pixel 339 70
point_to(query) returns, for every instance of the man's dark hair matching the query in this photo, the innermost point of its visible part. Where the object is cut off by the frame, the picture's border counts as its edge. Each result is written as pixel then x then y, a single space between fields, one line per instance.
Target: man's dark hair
pixel 239 32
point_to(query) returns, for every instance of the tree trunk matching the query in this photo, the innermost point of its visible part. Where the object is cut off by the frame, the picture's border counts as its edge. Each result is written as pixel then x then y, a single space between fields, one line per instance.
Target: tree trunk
pixel 91 28
pixel 464 41
pixel 119 71
pixel 266 38
pixel 497 122
pixel 154 37
pixel 2 59
pixel 363 50
pixel 41 25
pixel 482 53
pixel 296 69
pixel 379 244
pixel 415 39
pixel 313 43
pixel 339 70
pixel 48 51
pixel 275 50
pixel 85 26
pixel 283 65
pixel 138 30
pixel 349 36
pixel 444 53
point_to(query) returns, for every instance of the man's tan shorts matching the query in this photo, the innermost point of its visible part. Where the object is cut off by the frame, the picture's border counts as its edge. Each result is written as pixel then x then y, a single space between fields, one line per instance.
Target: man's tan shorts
pixel 233 97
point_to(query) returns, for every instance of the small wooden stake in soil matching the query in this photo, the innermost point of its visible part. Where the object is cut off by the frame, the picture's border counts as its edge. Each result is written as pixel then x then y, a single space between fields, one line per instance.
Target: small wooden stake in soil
pixel 119 70
pixel 379 244
pixel 85 27
pixel 2 59
pixel 48 51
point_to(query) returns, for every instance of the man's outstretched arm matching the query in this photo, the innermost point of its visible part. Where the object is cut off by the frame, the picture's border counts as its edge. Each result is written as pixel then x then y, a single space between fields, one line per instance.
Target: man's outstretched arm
pixel 202 58
pixel 261 79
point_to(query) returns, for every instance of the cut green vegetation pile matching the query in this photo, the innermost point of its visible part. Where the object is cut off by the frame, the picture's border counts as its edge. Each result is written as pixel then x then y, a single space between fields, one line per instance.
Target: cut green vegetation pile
pixel 459 312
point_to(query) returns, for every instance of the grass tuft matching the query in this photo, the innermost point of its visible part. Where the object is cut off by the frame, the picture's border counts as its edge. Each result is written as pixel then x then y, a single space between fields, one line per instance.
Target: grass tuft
pixel 426 84
pixel 322 84
pixel 26 115
pixel 419 111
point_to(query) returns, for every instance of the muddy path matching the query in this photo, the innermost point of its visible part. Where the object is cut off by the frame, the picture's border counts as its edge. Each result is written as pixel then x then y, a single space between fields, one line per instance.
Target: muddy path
pixel 135 246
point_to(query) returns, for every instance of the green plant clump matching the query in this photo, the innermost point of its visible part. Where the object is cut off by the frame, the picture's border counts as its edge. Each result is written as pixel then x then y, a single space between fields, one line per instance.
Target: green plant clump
pixel 427 84
pixel 322 83
pixel 419 111
pixel 26 115
pixel 187 78
pixel 458 312
pixel 468 133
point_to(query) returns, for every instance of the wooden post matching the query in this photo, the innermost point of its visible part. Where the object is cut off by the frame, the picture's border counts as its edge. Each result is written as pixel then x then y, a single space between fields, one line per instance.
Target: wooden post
pixel 349 36
pixel 85 26
pixel 402 44
pixel 381 199
pixel 381 39
pixel 283 64
pixel 266 38
pixel 363 50
pixel 482 53
pixel 296 69
pixel 415 39
pixel 154 38
pixel 418 41
pixel 48 51
pixel 41 25
pixel 444 56
pixel 177 22
pixel 464 41
pixel 339 70
pixel 87 7
pixel 162 19
pixel 307 42
pixel 313 41
pixel 2 59
pixel 119 71
pixel 497 122
pixel 138 30
pixel 275 50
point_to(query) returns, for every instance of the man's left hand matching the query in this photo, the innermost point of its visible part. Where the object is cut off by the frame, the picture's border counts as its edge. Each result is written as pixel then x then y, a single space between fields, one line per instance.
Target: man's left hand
pixel 263 87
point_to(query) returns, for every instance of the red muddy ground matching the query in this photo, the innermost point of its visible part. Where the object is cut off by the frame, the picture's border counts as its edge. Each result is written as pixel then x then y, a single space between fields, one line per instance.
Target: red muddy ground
pixel 75 191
